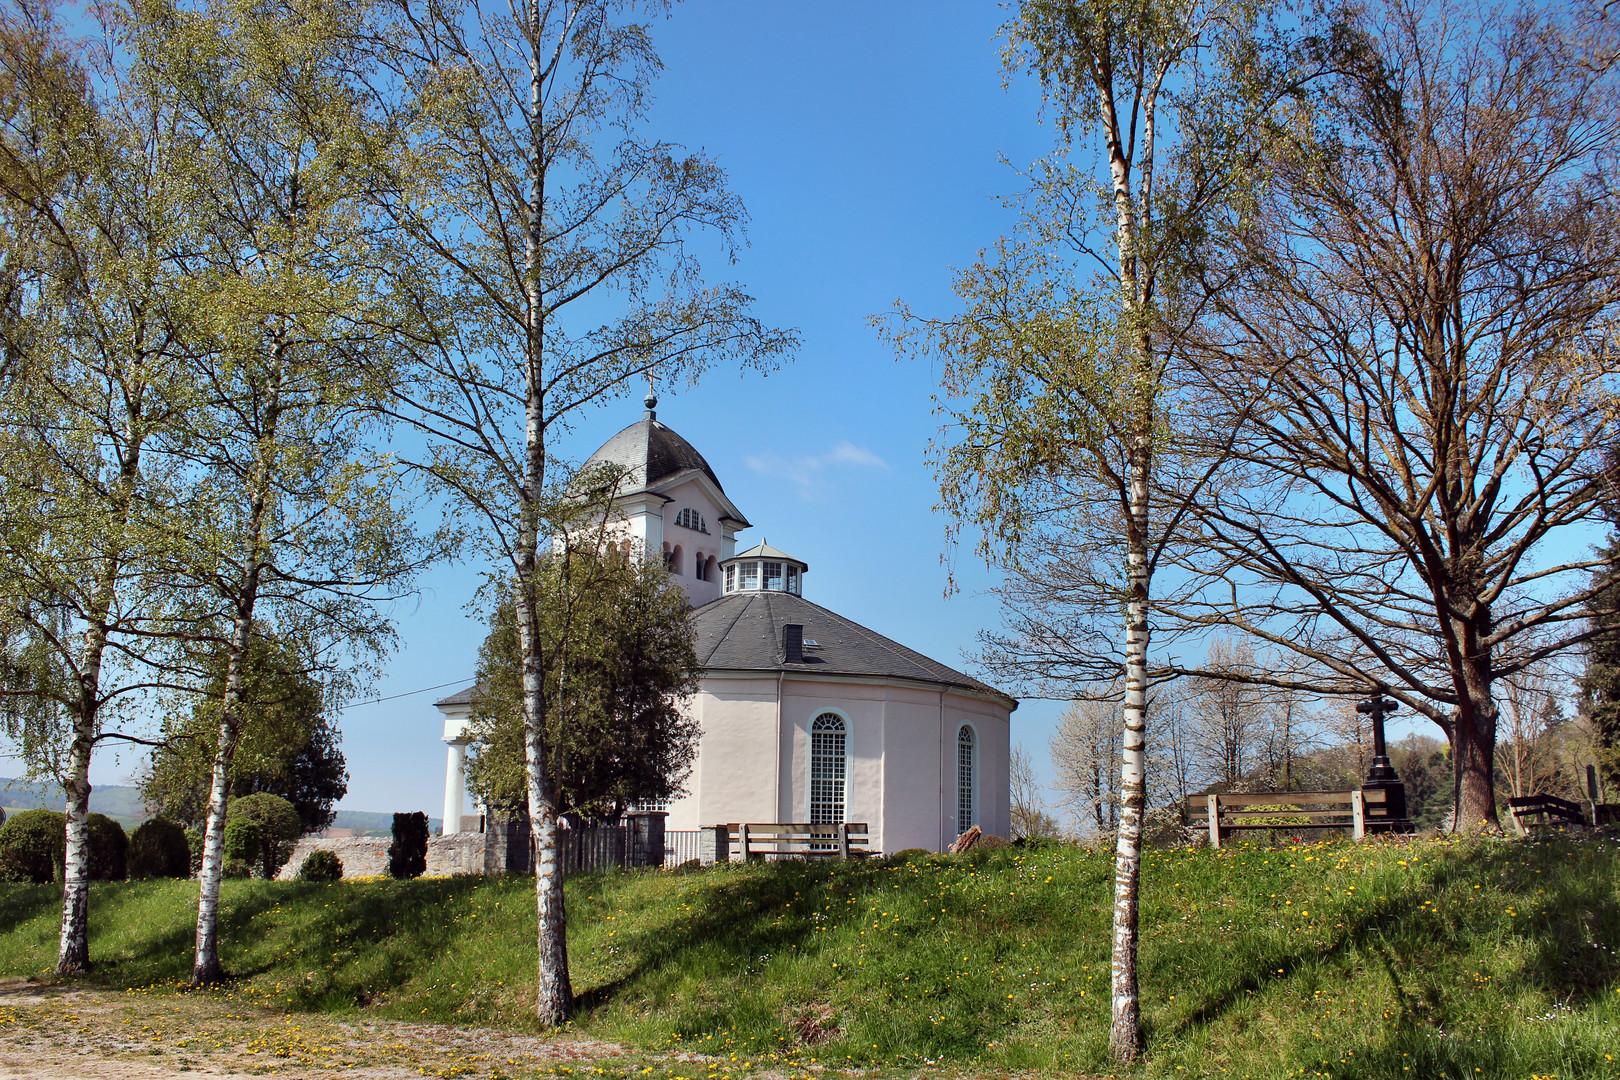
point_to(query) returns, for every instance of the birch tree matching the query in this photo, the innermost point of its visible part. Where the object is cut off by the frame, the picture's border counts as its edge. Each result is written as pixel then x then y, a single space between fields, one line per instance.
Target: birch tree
pixel 91 178
pixel 1412 335
pixel 552 261
pixel 1060 379
pixel 300 522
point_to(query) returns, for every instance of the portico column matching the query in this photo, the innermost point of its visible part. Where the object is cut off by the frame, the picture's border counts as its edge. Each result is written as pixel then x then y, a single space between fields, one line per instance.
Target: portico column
pixel 455 785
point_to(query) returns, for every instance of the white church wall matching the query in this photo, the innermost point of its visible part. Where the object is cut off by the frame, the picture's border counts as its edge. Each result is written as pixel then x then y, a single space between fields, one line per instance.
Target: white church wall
pixel 912 770
pixel 691 495
pixel 737 755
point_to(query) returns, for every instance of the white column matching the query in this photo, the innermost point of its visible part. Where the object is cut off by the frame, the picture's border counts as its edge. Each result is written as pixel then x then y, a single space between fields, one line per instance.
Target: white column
pixel 455 786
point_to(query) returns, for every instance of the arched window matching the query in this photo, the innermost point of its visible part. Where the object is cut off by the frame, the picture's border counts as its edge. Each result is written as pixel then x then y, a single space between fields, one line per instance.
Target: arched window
pixel 710 567
pixel 691 519
pixel 675 560
pixel 828 768
pixel 964 779
pixel 697 565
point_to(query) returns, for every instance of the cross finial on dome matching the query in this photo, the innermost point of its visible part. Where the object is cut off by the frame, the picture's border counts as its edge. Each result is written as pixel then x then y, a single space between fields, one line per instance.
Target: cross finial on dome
pixel 651 400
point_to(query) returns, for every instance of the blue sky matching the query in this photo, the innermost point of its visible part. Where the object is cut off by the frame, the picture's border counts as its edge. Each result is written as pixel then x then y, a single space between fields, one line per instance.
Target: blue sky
pixel 867 141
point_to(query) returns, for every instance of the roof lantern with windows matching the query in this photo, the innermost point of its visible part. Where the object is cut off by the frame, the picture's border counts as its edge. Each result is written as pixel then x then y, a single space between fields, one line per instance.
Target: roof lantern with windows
pixel 764 569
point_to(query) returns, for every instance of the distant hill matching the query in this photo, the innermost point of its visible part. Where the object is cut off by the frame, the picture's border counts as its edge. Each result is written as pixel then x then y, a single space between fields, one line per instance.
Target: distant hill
pixel 124 804
pixel 112 800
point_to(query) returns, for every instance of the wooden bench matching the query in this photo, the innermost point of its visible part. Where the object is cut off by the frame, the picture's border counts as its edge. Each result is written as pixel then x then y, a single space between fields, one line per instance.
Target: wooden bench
pixel 1549 809
pixel 1223 814
pixel 758 840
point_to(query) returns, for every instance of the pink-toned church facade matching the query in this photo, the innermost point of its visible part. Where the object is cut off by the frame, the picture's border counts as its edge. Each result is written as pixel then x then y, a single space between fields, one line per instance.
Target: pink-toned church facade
pixel 805 715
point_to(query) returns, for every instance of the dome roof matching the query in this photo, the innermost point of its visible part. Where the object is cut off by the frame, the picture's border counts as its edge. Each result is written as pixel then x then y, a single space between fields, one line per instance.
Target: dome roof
pixel 652 452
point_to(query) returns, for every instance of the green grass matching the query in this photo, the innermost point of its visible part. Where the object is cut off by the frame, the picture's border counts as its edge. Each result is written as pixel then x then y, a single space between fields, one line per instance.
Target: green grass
pixel 1428 959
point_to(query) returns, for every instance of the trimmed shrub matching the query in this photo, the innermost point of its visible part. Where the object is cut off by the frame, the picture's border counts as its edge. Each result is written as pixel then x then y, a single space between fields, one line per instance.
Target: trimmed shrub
pixel 321 866
pixel 158 848
pixel 194 846
pixel 407 855
pixel 109 849
pixel 279 829
pixel 34 843
pixel 236 868
pixel 244 841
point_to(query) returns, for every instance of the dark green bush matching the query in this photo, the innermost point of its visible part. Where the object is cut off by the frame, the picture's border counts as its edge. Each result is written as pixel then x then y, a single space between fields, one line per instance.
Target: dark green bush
pixel 194 846
pixel 321 866
pixel 109 849
pixel 279 829
pixel 34 843
pixel 236 868
pixel 407 855
pixel 244 841
pixel 158 849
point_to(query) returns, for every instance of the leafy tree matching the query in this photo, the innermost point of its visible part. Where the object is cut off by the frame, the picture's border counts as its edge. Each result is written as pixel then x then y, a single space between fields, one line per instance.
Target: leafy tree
pixel 94 204
pixel 549 264
pixel 627 737
pixel 288 745
pixel 302 520
pixel 1061 380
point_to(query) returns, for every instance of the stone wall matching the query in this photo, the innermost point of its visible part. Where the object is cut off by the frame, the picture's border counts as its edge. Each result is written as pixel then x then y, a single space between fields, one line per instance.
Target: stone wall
pixel 361 856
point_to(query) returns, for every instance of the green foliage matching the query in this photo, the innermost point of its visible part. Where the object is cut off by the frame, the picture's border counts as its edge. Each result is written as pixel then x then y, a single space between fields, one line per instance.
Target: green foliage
pixel 287 744
pixel 33 845
pixel 158 849
pixel 1600 682
pixel 988 965
pixel 244 841
pixel 194 845
pixel 407 855
pixel 321 866
pixel 616 730
pixel 236 869
pixel 278 827
pixel 109 849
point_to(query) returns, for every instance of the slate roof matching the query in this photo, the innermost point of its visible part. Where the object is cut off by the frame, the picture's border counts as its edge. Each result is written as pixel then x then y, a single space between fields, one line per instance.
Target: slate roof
pixel 743 632
pixel 652 452
pixel 460 697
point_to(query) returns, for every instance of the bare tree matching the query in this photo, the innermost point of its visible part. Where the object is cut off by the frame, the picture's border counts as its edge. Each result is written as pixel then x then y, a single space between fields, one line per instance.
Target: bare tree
pixel 1422 300
pixel 1030 818
pixel 1230 713
pixel 1084 748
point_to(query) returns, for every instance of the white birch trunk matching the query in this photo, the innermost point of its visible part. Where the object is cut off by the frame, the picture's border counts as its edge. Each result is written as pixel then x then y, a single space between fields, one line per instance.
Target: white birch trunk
pixel 554 998
pixel 73 951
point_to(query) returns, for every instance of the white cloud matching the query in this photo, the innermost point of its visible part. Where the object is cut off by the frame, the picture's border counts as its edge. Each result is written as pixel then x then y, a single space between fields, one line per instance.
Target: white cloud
pixel 809 473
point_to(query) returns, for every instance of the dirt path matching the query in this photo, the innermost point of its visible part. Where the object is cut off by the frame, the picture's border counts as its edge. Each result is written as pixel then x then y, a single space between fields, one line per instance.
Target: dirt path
pixel 76 1033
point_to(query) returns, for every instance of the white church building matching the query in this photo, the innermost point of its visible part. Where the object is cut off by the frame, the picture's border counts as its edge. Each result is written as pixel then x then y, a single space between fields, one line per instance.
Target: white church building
pixel 805 715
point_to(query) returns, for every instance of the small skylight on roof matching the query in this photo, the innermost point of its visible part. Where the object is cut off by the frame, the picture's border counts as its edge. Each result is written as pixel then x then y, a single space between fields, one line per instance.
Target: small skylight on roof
pixel 811 643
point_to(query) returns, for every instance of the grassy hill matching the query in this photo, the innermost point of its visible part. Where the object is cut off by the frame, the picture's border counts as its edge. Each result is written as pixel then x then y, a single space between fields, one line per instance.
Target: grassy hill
pixel 1492 958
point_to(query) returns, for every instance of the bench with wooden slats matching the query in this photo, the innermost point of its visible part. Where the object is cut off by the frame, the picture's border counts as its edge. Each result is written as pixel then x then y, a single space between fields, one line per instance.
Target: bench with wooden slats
pixel 1223 814
pixel 760 840
pixel 1546 809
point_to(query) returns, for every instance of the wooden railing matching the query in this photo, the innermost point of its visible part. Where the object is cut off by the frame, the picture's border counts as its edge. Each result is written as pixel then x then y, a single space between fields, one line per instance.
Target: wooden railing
pixel 1222 814
pixel 1549 809
pixel 798 838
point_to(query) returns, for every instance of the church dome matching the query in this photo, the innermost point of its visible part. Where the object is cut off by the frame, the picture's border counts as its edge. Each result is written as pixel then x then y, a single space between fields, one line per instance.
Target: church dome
pixel 652 452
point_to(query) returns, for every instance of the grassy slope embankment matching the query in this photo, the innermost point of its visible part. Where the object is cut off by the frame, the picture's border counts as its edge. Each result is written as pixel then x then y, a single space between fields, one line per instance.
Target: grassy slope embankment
pixel 1472 959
